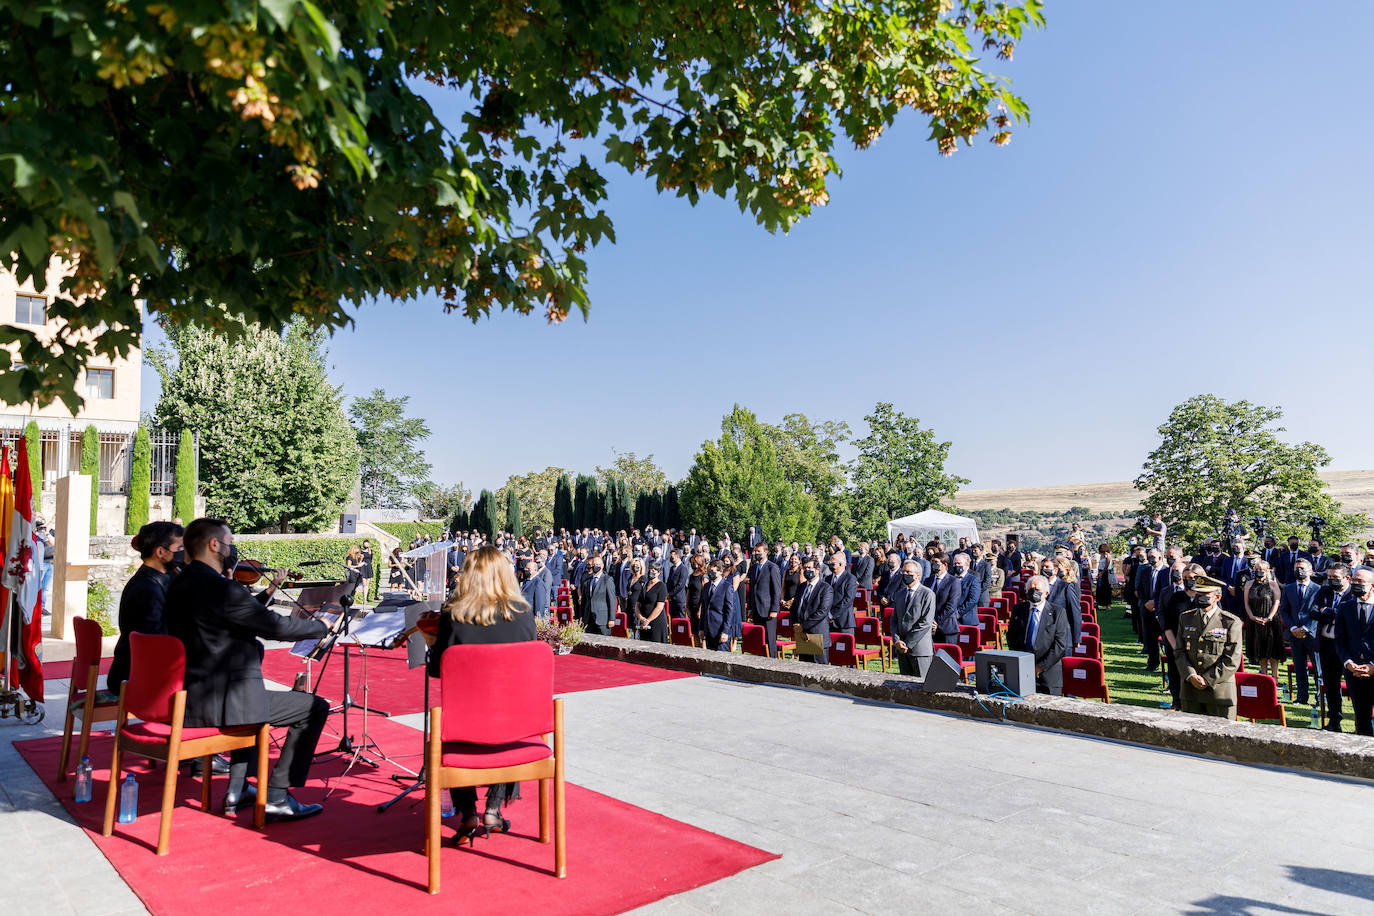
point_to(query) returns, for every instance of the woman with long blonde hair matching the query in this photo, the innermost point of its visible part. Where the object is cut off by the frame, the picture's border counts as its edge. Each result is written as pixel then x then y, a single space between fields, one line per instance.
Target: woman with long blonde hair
pixel 485 607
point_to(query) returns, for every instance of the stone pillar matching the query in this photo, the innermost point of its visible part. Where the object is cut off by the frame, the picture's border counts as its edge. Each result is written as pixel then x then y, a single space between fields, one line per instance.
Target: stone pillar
pixel 72 555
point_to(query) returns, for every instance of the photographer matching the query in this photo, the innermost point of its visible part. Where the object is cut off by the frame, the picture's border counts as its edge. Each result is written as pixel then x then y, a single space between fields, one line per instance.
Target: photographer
pixel 47 538
pixel 1156 529
pixel 1232 529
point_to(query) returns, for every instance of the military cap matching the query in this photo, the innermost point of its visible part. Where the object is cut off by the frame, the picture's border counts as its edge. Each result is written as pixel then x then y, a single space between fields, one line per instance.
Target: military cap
pixel 1206 585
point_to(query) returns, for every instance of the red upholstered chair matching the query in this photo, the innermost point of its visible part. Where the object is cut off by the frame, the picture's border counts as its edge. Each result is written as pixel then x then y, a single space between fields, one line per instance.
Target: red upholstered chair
pixel 887 621
pixel 1003 608
pixel 564 616
pixel 785 629
pixel 844 653
pixel 620 627
pixel 155 694
pixel 497 716
pixel 1257 697
pixel 970 639
pixel 83 699
pixel 988 632
pixel 861 599
pixel 955 652
pixel 680 631
pixel 1091 629
pixel 868 633
pixel 755 640
pixel 1088 647
pixel 1083 677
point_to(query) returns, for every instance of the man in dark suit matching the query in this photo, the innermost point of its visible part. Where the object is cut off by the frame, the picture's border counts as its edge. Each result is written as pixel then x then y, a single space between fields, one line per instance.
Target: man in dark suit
pixel 968 590
pixel 598 597
pixel 845 587
pixel 913 622
pixel 218 620
pixel 677 584
pixel 1355 645
pixel 1297 602
pixel 718 606
pixel 812 609
pixel 535 590
pixel 765 595
pixel 981 570
pixel 1329 598
pixel 890 578
pixel 946 589
pixel 1151 578
pixel 1039 627
pixel 862 567
pixel 1229 570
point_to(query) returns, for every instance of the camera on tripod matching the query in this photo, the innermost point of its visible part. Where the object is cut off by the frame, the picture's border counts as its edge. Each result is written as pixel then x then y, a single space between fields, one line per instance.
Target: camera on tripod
pixel 1261 526
pixel 1317 523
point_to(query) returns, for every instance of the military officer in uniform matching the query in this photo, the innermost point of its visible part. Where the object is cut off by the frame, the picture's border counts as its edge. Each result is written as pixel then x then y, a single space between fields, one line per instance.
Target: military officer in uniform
pixel 1208 653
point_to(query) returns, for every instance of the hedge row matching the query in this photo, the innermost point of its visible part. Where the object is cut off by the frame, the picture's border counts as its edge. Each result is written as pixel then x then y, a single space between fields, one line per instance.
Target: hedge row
pixel 289 553
pixel 405 532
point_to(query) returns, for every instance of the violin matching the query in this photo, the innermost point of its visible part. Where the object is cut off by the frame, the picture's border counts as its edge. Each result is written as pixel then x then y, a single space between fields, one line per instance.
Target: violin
pixel 250 571
pixel 427 625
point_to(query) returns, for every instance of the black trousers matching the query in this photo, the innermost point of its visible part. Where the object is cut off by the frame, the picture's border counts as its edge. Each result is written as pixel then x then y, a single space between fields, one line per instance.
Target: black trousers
pixel 1331 679
pixel 1175 682
pixel 1361 703
pixel 770 631
pixel 465 798
pixel 304 715
pixel 1150 636
pixel 595 629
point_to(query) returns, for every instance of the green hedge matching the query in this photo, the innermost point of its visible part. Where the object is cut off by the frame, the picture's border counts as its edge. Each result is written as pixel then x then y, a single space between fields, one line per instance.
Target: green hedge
pixel 406 532
pixel 289 553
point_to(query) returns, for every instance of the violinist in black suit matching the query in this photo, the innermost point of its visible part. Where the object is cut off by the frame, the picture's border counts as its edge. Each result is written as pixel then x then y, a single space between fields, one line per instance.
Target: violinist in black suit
pixel 811 611
pixel 1039 627
pixel 765 595
pixel 219 621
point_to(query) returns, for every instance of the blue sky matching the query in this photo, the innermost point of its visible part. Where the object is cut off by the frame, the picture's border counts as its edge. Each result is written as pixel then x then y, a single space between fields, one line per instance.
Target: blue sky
pixel 1190 210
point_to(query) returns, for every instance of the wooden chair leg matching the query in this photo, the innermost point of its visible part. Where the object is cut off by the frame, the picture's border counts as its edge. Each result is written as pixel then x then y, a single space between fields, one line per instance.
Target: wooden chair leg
pixel 169 797
pixel 84 747
pixel 560 838
pixel 545 835
pixel 65 755
pixel 207 770
pixel 432 790
pixel 260 803
pixel 112 790
pixel 88 712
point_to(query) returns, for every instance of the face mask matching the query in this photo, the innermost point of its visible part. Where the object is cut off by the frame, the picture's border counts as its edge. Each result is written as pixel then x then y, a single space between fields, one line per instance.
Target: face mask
pixel 908 578
pixel 1175 576
pixel 936 569
pixel 809 573
pixel 1235 551
pixel 1047 573
pixel 1036 596
pixel 713 575
pixel 1346 558
pixel 178 561
pixel 1200 601
pixel 960 570
pixel 1260 577
pixel 1301 574
pixel 229 557
pixel 1189 583
pixel 1358 589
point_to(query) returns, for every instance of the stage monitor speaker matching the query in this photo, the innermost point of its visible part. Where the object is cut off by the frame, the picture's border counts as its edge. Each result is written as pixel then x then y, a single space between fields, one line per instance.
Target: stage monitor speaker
pixel 1015 670
pixel 943 674
pixel 348 523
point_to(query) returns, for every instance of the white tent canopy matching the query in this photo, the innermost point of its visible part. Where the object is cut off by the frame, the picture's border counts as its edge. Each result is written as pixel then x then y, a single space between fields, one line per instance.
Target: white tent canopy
pixel 925 525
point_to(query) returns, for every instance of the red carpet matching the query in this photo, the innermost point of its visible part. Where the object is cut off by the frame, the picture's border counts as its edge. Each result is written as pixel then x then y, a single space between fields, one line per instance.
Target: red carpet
pixel 352 858
pixel 398 690
pixel 56 671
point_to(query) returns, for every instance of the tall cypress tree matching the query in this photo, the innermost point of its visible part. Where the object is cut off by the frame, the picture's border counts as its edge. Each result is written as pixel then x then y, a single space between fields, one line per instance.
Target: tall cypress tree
pixel 484 516
pixel 31 452
pixel 90 466
pixel 140 483
pixel 184 494
pixel 672 515
pixel 563 504
pixel 513 513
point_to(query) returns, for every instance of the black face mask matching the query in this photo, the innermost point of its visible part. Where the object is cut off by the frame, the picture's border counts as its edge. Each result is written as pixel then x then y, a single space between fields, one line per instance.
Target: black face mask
pixel 1346 558
pixel 1175 576
pixel 908 578
pixel 1036 596
pixel 809 573
pixel 1301 574
pixel 229 558
pixel 1200 601
pixel 178 561
pixel 1358 589
pixel 936 569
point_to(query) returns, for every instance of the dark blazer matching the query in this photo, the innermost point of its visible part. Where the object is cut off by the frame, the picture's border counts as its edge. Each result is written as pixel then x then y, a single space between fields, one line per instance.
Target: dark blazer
pixel 1062 596
pixel 1296 610
pixel 982 571
pixel 219 621
pixel 719 610
pixel 1354 639
pixel 598 599
pixel 913 616
pixel 677 587
pixel 1051 641
pixel 519 628
pixel 947 596
pixel 845 587
pixel 765 589
pixel 968 599
pixel 862 568
pixel 140 611
pixel 812 611
pixel 1284 563
pixel 536 592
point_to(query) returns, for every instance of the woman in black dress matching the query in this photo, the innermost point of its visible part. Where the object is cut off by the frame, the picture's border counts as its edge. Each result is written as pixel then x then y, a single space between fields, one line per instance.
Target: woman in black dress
pixel 741 580
pixel 1263 628
pixel 652 612
pixel 791 581
pixel 140 605
pixel 694 582
pixel 485 608
pixel 633 592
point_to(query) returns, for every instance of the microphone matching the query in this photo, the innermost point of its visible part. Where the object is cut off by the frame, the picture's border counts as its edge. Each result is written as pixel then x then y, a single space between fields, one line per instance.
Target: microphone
pixel 313 562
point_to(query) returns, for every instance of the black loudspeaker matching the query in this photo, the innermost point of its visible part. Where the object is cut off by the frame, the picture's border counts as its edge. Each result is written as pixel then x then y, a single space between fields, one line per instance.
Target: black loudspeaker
pixel 943 675
pixel 348 523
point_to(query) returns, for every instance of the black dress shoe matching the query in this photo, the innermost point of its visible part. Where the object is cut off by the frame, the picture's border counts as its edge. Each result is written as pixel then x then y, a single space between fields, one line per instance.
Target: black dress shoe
pixel 219 766
pixel 289 809
pixel 244 798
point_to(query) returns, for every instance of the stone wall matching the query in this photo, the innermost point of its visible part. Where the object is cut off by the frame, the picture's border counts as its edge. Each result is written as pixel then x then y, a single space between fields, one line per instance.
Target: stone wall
pixel 1243 742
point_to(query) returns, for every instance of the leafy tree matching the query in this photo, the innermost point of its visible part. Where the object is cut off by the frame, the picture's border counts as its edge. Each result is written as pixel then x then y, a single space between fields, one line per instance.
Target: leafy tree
pixel 311 175
pixel 736 481
pixel 184 489
pixel 484 516
pixel 1214 455
pixel 513 524
pixel 34 457
pixel 438 501
pixel 640 475
pixel 899 469
pixel 563 503
pixel 140 482
pixel 286 462
pixel 90 466
pixel 393 467
pixel 810 459
pixel 534 492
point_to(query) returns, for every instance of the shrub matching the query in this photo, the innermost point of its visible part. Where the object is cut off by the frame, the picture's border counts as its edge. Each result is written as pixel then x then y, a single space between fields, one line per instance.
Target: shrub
pixel 140 483
pixel 98 601
pixel 184 492
pixel 405 532
pixel 90 466
pixel 290 553
pixel 31 435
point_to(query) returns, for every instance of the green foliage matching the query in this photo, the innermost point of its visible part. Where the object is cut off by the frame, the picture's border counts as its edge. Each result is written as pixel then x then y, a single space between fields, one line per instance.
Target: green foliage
pixel 438 501
pixel 290 553
pixel 1040 531
pixel 563 503
pixel 640 475
pixel 405 532
pixel 34 457
pixel 140 482
pixel 737 481
pixel 392 467
pixel 534 495
pixel 90 466
pixel 484 516
pixel 276 448
pixel 308 175
pixel 184 492
pixel 809 457
pixel 99 602
pixel 1214 455
pixel 586 508
pixel 672 512
pixel 513 524
pixel 899 470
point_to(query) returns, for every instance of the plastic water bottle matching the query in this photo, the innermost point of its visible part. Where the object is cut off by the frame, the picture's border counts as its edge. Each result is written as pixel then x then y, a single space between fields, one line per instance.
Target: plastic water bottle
pixel 128 800
pixel 1284 688
pixel 1316 717
pixel 445 804
pixel 83 780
